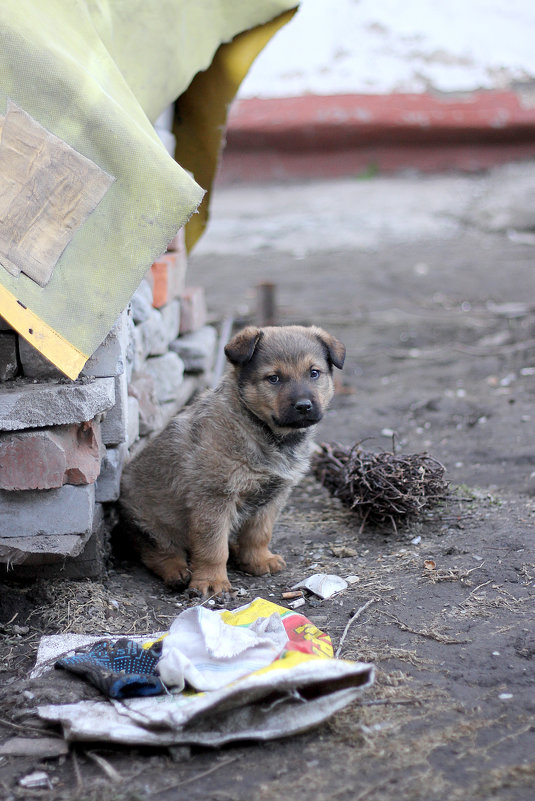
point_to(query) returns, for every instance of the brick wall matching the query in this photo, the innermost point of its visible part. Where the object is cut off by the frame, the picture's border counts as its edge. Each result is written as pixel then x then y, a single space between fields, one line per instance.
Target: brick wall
pixel 63 443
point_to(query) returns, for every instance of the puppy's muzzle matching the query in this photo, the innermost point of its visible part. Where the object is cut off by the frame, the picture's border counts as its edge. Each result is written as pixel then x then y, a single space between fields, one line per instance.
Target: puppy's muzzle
pixel 303 406
pixel 302 413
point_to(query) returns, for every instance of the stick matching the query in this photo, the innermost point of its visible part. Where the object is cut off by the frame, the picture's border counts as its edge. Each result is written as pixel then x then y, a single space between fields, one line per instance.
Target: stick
pixel 198 776
pixel 77 772
pixel 484 584
pixel 112 774
pixel 266 305
pixel 22 727
pixel 350 621
pixel 431 635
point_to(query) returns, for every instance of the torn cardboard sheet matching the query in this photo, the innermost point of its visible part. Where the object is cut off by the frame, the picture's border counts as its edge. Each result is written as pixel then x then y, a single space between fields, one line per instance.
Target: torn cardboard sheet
pixel 47 191
pixel 299 685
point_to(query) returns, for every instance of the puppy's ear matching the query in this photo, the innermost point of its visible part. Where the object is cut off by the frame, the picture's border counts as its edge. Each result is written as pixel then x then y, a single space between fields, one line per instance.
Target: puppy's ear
pixel 240 349
pixel 336 351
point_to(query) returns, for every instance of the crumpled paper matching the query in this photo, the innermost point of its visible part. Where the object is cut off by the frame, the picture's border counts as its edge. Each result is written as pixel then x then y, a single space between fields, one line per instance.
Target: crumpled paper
pixel 299 685
pixel 207 653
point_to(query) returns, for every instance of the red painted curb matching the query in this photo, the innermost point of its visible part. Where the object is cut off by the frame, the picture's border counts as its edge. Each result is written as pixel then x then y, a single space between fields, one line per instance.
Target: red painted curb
pixel 391 131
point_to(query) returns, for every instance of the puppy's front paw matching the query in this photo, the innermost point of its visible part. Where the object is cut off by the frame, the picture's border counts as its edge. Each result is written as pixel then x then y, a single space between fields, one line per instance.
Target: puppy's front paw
pixel 276 563
pixel 209 586
pixel 259 564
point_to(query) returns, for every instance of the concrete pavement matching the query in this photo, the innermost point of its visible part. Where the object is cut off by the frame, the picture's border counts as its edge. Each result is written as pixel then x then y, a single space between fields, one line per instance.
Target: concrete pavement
pixel 347 214
pixel 430 282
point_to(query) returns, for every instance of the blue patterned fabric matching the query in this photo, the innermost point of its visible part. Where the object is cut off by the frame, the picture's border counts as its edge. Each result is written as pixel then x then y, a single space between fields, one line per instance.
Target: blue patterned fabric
pixel 120 669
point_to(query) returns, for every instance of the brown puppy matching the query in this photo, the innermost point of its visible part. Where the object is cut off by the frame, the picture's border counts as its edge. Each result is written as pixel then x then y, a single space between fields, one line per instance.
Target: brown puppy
pixel 223 468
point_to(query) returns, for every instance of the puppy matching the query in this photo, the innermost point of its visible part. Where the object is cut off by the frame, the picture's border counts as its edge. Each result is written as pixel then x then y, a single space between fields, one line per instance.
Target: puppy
pixel 218 475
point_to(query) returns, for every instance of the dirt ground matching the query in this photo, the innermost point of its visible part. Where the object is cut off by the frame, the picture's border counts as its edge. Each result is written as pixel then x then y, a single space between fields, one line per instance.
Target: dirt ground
pixel 440 333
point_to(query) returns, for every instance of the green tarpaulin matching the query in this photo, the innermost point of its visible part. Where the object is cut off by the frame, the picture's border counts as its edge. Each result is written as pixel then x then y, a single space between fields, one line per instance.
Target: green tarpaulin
pixel 89 197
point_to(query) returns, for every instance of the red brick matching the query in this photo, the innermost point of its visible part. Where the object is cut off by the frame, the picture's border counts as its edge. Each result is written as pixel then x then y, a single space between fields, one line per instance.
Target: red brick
pixel 47 458
pixel 83 452
pixel 168 276
pixel 192 309
pixel 159 277
pixel 339 135
pixel 31 460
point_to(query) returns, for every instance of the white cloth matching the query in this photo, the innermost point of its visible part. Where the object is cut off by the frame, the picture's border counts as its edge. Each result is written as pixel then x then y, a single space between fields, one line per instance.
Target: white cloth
pixel 207 653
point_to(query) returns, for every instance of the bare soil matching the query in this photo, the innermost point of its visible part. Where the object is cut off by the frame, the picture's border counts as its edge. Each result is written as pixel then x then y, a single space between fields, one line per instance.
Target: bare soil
pixel 441 350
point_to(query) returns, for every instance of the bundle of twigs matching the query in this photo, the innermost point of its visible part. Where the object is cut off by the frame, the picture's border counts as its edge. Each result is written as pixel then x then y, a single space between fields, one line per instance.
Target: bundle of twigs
pixel 382 488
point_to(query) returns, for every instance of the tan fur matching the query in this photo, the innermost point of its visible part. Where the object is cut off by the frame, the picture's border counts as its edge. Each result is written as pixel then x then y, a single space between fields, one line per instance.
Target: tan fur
pixel 222 469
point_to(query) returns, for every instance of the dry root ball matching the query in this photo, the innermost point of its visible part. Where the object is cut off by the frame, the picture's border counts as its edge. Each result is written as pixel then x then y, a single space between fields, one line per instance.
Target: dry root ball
pixel 382 488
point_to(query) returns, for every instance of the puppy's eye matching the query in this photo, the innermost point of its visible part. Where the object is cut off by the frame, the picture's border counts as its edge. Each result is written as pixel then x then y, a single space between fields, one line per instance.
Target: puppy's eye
pixel 314 374
pixel 273 379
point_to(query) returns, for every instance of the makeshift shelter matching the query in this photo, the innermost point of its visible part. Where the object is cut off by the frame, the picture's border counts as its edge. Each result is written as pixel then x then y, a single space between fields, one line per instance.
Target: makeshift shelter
pixel 89 197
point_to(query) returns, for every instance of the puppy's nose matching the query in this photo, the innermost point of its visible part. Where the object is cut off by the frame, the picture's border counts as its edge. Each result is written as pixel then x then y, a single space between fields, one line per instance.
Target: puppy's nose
pixel 303 405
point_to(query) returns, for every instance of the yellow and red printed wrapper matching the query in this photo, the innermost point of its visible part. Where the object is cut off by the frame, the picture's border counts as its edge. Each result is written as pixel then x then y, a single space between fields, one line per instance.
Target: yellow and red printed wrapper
pixel 303 636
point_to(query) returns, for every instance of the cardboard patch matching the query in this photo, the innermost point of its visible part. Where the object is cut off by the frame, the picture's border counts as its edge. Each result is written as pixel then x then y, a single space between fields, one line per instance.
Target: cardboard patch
pixel 47 191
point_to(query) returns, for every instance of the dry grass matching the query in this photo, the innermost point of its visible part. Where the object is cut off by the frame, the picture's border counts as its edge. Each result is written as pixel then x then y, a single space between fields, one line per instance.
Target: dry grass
pixel 486 598
pixel 88 607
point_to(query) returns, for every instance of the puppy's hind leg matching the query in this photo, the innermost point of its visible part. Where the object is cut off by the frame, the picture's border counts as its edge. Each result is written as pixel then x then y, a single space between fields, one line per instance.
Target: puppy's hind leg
pixel 251 550
pixel 161 555
pixel 170 564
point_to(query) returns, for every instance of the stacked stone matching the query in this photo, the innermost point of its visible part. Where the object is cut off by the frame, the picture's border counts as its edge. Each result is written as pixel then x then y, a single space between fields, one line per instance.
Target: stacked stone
pixel 63 444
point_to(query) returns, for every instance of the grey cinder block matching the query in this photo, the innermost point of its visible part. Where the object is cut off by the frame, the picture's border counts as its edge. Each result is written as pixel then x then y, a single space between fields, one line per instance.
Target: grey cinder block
pixel 168 374
pixel 28 405
pixel 9 366
pixel 54 512
pixel 109 359
pixel 114 426
pixel 109 481
pixel 197 349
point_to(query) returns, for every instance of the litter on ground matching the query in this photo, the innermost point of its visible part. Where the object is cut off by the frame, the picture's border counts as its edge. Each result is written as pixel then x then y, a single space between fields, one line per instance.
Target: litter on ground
pixel 258 672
